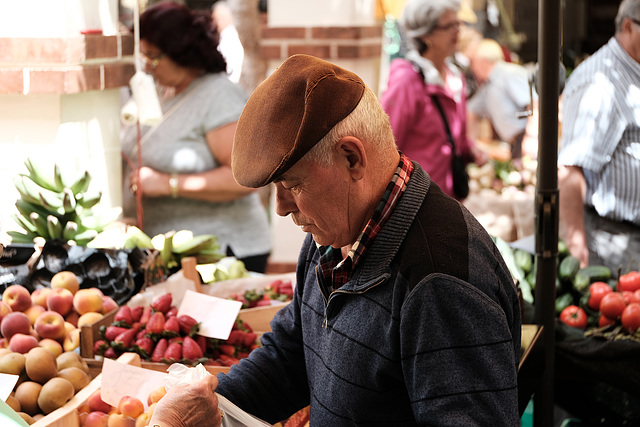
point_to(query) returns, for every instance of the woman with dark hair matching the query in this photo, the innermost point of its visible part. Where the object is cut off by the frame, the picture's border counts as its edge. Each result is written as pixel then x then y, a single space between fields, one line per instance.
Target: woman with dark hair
pixel 426 94
pixel 186 178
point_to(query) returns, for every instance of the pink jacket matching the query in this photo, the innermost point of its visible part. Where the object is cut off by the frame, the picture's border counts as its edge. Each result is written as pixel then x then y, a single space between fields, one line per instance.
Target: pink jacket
pixel 417 125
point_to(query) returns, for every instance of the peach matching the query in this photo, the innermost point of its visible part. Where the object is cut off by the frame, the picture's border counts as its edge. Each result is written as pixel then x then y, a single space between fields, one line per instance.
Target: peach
pixel 72 317
pixel 39 297
pixel 52 345
pixel 108 304
pixel 21 343
pixel 69 327
pixel 72 340
pixel 17 297
pixel 130 406
pixel 119 420
pixel 67 280
pixel 60 300
pixel 156 395
pixel 89 318
pixel 13 403
pixel 4 309
pixel 50 324
pixel 96 419
pixel 96 403
pixel 86 300
pixel 15 322
pixel 33 312
pixel 143 420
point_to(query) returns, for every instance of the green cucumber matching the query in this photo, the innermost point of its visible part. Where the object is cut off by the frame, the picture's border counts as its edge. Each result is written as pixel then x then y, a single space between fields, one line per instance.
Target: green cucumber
pixel 563 301
pixel 597 273
pixel 568 268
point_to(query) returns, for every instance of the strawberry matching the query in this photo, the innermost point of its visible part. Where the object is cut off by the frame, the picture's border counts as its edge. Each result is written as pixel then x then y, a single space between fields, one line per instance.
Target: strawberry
pixel 99 347
pixel 155 325
pixel 136 313
pixel 123 316
pixel 172 326
pixel 202 342
pixel 111 332
pixel 228 360
pixel 111 353
pixel 242 355
pixel 145 345
pixel 173 353
pixel 191 350
pixel 213 362
pixel 125 339
pixel 250 339
pixel 188 325
pixel 286 289
pixel 263 303
pixel 236 337
pixel 146 314
pixel 175 339
pixel 173 311
pixel 141 333
pixel 159 350
pixel 162 303
pixel 227 349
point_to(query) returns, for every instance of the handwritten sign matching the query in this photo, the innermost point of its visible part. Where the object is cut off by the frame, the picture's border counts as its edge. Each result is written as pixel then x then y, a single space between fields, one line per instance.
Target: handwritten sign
pixel 119 380
pixel 216 315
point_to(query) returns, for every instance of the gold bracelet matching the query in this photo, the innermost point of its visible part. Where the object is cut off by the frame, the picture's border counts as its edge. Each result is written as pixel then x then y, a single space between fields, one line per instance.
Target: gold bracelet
pixel 173 185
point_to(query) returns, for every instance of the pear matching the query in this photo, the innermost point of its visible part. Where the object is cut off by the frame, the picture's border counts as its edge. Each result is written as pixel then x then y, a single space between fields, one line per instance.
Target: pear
pixel 40 365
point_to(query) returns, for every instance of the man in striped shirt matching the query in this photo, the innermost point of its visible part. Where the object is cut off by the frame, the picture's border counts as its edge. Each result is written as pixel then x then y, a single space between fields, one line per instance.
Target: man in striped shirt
pixel 599 161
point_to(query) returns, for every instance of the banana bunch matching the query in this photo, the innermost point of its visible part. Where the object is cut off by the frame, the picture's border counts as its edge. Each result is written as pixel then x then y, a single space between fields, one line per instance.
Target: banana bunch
pixel 55 206
pixel 175 245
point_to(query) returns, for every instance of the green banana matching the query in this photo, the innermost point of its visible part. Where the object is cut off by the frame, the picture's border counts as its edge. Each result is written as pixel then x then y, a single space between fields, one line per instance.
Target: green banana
pixel 51 203
pixel 54 227
pixel 69 230
pixel 68 201
pixel 38 176
pixel 193 246
pixel 25 208
pixel 25 194
pixel 88 199
pixel 17 237
pixel 81 184
pixel 209 256
pixel 24 223
pixel 59 178
pixel 136 238
pixel 85 237
pixel 40 223
pixel 167 250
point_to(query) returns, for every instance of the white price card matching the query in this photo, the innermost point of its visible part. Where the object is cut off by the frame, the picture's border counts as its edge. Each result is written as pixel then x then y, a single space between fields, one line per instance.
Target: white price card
pixel 215 315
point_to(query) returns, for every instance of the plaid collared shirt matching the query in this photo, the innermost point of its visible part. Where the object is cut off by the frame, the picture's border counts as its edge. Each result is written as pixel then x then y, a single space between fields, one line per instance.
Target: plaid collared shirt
pixel 336 270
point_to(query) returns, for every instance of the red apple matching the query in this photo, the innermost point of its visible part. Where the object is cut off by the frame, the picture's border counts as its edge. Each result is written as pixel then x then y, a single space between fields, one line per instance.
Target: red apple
pixel 60 300
pixel 15 322
pixel 86 300
pixel 50 324
pixel 21 343
pixel 39 297
pixel 67 280
pixel 18 297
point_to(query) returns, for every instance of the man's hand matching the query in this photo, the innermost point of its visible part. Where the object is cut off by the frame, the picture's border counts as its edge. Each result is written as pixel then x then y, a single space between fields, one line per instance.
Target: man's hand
pixel 194 405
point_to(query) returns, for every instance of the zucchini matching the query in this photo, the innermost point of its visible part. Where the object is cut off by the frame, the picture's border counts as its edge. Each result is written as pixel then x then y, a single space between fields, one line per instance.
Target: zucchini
pixel 568 268
pixel 597 273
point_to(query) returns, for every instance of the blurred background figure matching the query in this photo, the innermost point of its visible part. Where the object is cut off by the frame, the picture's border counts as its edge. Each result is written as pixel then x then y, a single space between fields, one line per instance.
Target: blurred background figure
pixel 503 97
pixel 426 82
pixel 229 45
pixel 185 178
pixel 599 161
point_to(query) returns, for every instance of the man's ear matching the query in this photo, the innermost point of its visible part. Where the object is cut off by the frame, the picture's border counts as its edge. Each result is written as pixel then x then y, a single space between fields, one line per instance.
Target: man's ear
pixel 351 149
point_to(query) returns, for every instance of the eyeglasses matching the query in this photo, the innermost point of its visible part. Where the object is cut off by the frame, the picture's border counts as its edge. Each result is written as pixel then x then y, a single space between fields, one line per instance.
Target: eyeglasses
pixel 447 27
pixel 635 21
pixel 153 62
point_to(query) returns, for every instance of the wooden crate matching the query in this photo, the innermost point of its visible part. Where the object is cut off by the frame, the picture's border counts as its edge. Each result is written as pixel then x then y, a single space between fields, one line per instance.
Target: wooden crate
pixel 67 416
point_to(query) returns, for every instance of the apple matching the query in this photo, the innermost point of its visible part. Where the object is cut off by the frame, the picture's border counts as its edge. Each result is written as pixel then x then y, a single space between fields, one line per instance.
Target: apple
pixel 33 312
pixel 67 280
pixel 89 318
pixel 60 300
pixel 72 340
pixel 108 304
pixel 96 419
pixel 15 322
pixel 96 403
pixel 18 297
pixel 86 300
pixel 52 345
pixel 39 297
pixel 130 406
pixel 21 343
pixel 50 324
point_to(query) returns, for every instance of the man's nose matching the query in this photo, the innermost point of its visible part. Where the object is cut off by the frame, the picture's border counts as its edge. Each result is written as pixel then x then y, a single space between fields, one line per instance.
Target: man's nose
pixel 284 201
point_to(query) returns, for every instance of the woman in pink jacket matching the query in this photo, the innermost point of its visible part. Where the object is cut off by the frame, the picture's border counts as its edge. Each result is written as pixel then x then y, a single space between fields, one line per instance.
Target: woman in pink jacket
pixel 425 78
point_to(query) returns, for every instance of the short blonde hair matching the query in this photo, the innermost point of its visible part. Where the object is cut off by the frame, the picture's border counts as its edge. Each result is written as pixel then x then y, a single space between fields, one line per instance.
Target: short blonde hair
pixel 490 50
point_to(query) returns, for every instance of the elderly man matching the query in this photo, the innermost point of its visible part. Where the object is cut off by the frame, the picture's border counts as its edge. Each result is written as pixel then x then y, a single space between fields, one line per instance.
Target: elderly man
pixel 404 312
pixel 599 162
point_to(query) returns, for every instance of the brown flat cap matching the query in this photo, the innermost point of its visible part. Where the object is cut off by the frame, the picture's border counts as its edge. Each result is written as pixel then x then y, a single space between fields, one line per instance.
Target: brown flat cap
pixel 287 114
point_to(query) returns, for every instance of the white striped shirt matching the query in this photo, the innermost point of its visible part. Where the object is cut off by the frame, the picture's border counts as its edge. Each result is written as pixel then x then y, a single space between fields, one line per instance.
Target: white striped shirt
pixel 601 131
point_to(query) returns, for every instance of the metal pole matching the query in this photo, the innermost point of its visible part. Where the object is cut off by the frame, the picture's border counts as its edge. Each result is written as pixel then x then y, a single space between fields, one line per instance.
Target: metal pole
pixel 546 221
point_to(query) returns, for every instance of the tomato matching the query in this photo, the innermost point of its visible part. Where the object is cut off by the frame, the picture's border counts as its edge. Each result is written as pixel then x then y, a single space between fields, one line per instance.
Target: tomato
pixel 574 316
pixel 612 305
pixel 605 321
pixel 631 317
pixel 597 290
pixel 629 281
pixel 630 297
